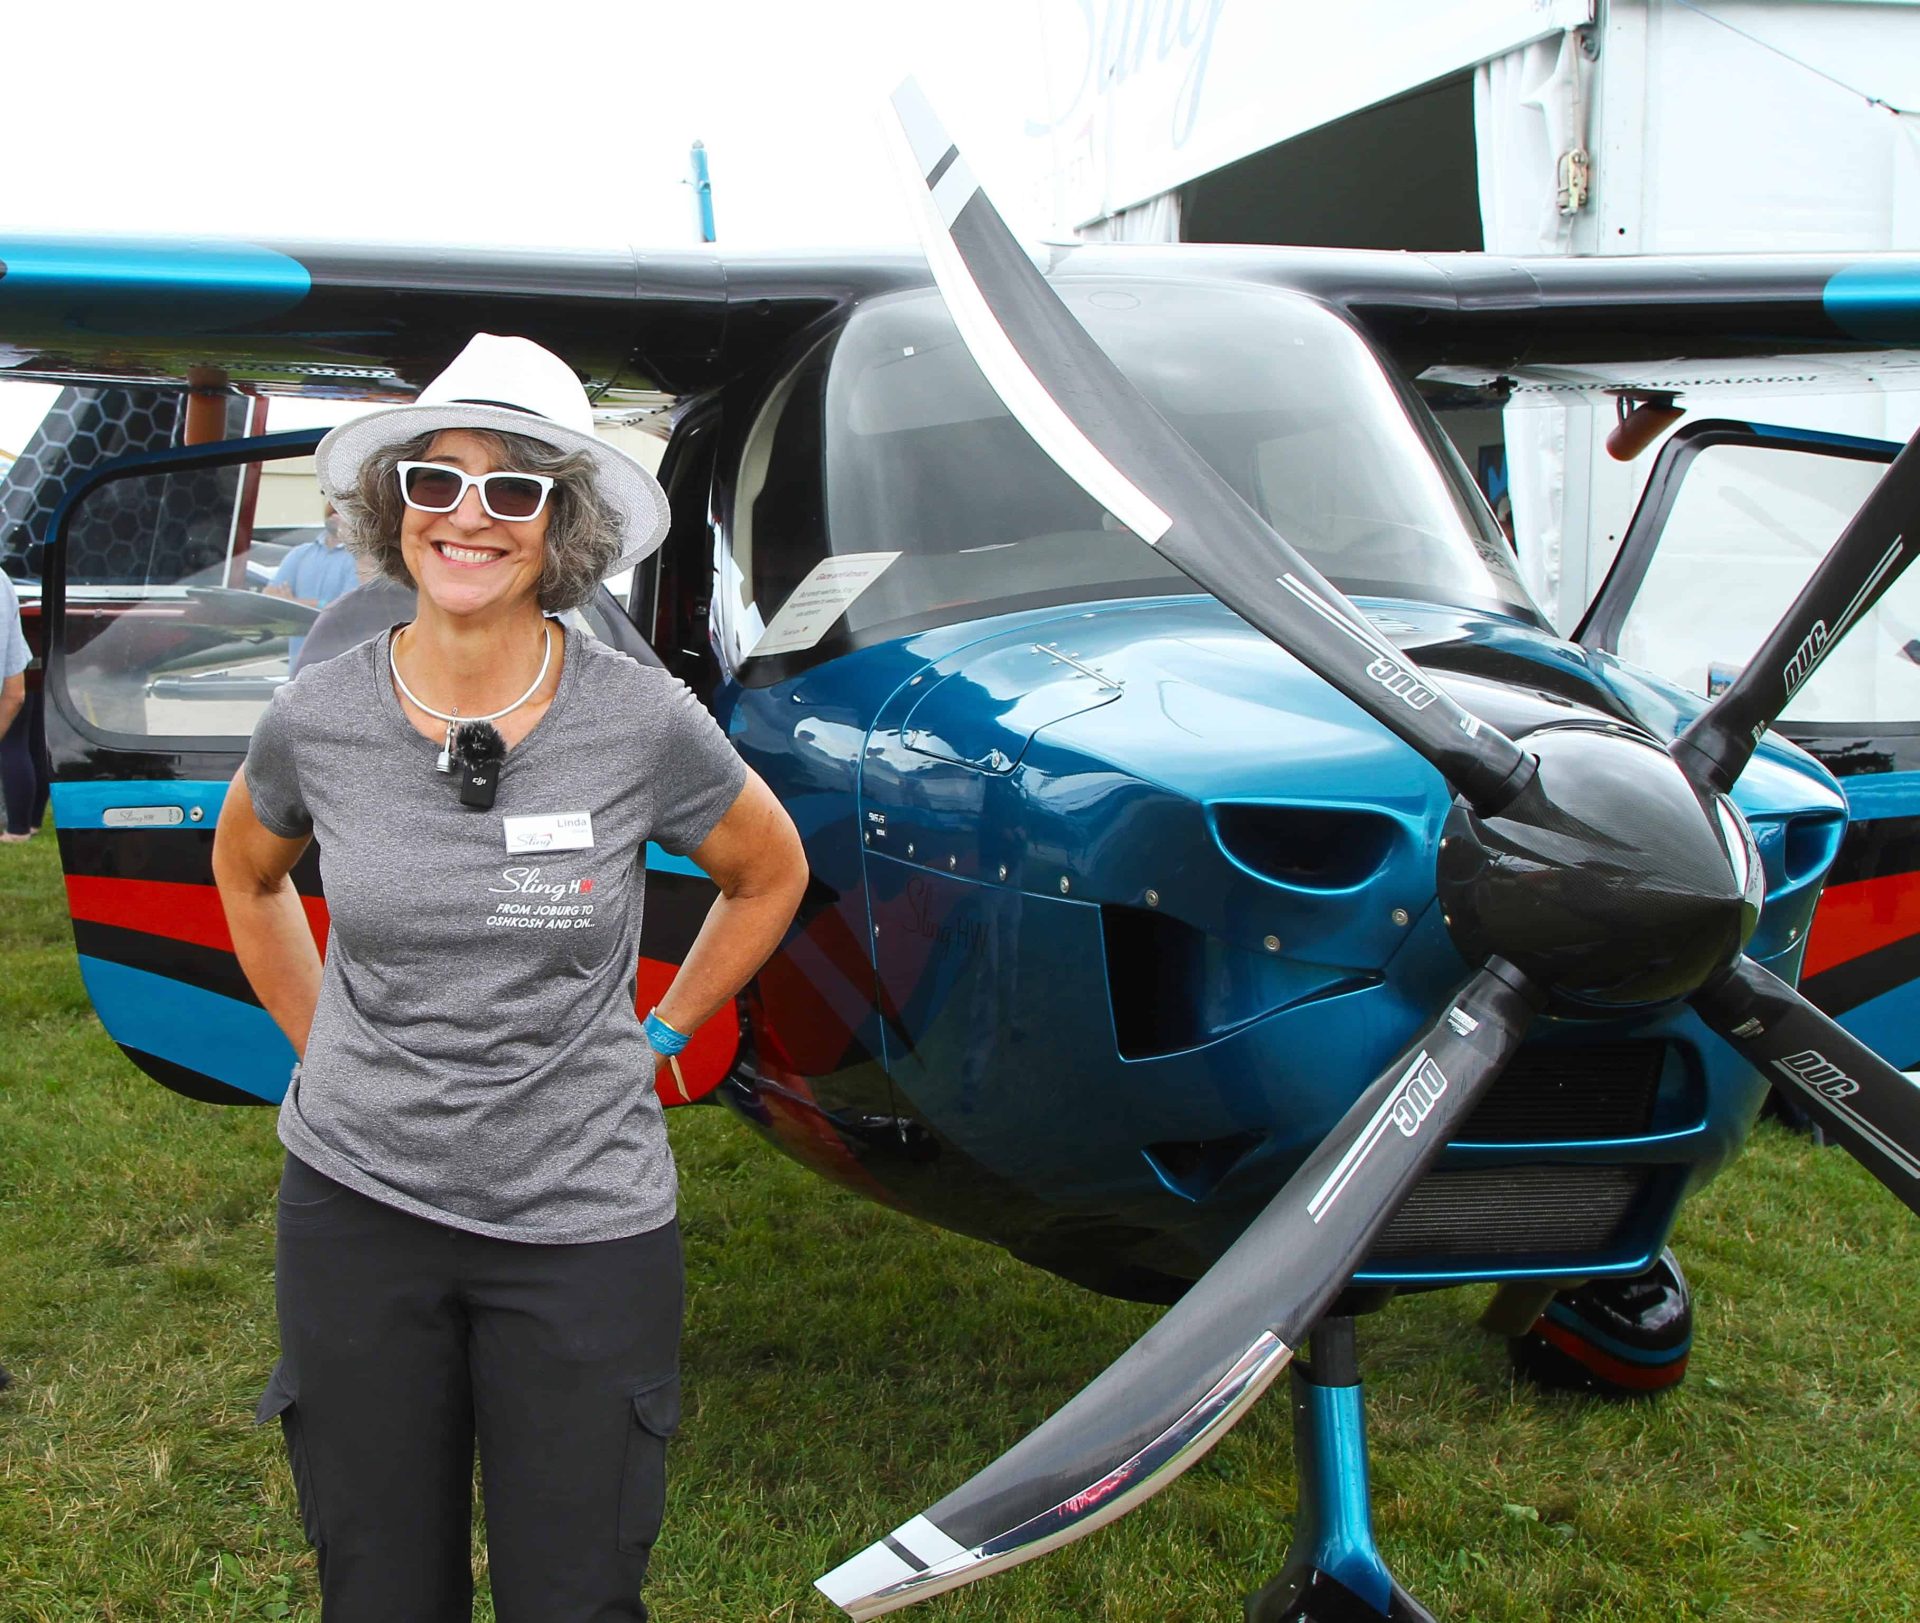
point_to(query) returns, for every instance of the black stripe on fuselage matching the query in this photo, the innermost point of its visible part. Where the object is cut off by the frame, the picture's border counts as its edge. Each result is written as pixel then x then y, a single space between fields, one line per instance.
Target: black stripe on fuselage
pixel 1861 980
pixel 165 856
pixel 1876 847
pixel 193 1084
pixel 208 968
pixel 677 906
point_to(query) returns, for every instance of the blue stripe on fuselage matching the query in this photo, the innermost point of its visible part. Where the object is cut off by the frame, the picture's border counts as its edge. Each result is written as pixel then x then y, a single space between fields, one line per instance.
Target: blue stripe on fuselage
pixel 1882 794
pixel 220 1037
pixel 85 805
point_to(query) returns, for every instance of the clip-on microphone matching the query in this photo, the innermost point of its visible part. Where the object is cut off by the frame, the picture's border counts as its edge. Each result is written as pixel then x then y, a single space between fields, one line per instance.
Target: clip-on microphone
pixel 479 749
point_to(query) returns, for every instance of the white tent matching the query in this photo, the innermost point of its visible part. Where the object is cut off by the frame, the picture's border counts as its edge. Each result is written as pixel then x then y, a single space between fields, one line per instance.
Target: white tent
pixel 1559 127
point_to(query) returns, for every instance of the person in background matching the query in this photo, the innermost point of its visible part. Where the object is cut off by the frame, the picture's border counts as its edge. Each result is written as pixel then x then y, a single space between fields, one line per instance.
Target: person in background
pixel 370 608
pixel 317 571
pixel 25 799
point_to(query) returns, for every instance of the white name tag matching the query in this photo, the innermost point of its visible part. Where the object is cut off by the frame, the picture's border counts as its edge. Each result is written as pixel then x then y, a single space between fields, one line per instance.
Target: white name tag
pixel 563 831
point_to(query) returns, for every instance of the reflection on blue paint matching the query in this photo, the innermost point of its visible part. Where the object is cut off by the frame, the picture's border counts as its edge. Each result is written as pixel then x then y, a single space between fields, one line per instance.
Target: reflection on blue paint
pixel 143 288
pixel 1876 301
pixel 1883 794
pixel 232 1042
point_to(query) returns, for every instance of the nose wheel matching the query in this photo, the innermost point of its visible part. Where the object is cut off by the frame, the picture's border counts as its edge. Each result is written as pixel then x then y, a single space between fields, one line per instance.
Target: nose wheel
pixel 1334 1572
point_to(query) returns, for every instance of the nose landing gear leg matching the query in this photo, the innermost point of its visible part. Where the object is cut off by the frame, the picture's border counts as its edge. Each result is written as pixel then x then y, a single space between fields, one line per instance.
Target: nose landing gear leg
pixel 1334 1573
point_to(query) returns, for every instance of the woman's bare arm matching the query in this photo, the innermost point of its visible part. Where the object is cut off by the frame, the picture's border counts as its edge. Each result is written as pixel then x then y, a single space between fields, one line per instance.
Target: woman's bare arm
pixel 264 914
pixel 754 856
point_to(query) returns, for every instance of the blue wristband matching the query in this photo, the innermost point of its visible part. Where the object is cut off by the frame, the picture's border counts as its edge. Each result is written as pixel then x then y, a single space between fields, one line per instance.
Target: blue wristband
pixel 665 1040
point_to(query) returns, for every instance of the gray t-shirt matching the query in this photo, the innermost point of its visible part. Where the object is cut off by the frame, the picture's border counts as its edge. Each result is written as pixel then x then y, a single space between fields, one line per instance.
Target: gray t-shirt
pixel 475 1057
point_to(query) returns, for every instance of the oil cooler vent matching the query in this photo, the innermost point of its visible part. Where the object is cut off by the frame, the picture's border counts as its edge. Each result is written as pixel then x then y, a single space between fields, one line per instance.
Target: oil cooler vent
pixel 1306 847
pixel 1553 1095
pixel 1514 1211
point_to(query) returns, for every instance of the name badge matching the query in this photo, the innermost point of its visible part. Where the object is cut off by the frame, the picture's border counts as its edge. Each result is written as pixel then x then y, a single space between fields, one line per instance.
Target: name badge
pixel 562 831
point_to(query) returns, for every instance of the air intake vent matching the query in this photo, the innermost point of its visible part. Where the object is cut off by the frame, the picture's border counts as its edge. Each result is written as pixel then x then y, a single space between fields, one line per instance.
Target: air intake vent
pixel 1306 847
pixel 1513 1211
pixel 1553 1095
pixel 1173 987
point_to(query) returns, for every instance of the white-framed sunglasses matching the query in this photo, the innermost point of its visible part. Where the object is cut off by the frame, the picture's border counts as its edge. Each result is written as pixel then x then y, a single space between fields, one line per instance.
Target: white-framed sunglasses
pixel 433 487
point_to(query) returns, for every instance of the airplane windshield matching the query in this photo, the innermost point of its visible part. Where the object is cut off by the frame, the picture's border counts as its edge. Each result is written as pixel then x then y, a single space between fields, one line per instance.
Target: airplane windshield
pixel 939 507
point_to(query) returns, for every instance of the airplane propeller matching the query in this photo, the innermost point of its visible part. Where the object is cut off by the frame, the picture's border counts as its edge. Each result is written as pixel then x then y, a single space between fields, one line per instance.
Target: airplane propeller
pixel 1593 872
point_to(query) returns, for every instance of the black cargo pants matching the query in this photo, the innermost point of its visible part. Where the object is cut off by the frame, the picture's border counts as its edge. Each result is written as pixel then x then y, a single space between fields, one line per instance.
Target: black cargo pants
pixel 402 1341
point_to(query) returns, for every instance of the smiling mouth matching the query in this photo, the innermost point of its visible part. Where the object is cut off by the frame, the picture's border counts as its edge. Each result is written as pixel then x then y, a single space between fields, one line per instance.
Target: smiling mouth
pixel 466 557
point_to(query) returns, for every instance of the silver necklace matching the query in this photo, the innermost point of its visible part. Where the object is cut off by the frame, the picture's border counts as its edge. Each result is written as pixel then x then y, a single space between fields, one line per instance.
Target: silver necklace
pixel 453 720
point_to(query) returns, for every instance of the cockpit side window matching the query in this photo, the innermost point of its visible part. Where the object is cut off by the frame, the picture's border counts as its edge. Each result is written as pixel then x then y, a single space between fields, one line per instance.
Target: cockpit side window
pixel 778 531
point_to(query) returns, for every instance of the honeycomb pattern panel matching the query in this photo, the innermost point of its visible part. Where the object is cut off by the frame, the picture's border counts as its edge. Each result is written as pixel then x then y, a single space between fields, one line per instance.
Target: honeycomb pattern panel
pixel 154 530
pixel 83 428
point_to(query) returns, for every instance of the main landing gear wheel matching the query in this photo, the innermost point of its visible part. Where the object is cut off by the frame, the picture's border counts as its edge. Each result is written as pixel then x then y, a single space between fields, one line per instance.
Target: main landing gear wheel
pixel 1612 1338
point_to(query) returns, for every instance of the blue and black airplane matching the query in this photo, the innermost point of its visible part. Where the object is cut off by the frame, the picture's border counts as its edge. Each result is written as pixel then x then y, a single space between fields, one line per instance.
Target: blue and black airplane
pixel 1229 890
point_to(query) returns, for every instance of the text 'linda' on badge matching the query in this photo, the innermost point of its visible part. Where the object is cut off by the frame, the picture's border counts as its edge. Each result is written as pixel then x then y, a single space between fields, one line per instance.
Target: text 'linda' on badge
pixel 559 831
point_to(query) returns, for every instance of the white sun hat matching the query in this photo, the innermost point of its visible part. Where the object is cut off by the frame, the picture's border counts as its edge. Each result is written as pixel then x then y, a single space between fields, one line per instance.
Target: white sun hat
pixel 506 386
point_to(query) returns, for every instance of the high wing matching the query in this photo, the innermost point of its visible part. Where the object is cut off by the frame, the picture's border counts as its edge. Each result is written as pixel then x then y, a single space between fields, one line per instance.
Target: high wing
pixel 379 320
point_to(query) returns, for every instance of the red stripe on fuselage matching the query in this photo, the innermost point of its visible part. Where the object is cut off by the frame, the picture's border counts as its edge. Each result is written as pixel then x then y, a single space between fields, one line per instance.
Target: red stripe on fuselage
pixel 1856 919
pixel 179 912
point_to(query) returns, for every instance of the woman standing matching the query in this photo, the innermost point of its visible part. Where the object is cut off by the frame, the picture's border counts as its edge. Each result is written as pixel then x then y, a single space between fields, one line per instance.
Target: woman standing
pixel 476 1233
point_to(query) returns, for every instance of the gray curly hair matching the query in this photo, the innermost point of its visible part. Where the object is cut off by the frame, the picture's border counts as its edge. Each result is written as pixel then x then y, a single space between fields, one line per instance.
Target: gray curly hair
pixel 583 529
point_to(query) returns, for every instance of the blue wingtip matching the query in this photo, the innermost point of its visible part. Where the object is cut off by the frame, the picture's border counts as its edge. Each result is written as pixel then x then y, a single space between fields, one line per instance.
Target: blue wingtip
pixel 1877 301
pixel 143 286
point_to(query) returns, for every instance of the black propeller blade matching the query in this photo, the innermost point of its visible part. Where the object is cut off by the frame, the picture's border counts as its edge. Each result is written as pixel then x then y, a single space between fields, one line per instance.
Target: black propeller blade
pixel 1877 544
pixel 1181 1387
pixel 1855 1095
pixel 1076 404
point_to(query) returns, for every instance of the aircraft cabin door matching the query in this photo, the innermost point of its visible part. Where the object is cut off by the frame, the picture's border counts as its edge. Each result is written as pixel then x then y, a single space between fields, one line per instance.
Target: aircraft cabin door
pixel 1734 519
pixel 163 647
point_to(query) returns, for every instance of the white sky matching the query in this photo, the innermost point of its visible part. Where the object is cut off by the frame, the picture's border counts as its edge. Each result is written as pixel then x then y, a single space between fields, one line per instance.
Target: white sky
pixel 546 122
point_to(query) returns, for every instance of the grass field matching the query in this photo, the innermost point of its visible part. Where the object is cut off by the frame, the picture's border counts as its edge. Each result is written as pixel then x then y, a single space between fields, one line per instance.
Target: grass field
pixel 845 1367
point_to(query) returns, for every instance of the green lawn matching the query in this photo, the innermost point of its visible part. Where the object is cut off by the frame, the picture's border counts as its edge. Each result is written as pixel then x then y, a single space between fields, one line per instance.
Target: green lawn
pixel 846 1367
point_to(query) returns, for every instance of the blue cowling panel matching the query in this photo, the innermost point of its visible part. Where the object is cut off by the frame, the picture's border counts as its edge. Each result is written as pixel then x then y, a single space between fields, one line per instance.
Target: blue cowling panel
pixel 1013 874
